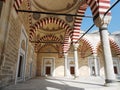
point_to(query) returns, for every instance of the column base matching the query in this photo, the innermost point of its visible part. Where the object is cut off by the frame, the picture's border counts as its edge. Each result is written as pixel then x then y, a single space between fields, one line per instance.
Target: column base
pixel 66 76
pixel 109 82
pixel 75 77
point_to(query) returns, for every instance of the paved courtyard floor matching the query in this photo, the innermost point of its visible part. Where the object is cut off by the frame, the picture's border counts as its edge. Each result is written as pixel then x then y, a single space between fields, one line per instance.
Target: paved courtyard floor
pixel 57 83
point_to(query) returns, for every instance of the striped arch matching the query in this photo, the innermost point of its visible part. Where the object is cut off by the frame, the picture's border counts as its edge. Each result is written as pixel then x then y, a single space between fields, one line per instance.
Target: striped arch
pixel 17 4
pixel 66 44
pixel 44 21
pixel 78 22
pixel 48 20
pixel 97 48
pixel 61 23
pixel 98 8
pixel 113 45
pixel 104 5
pixel 84 46
pixel 49 37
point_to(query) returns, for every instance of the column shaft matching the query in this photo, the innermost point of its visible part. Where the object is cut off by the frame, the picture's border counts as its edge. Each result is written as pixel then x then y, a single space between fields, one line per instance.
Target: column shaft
pixel 65 65
pixel 76 59
pixel 109 72
pixel 96 64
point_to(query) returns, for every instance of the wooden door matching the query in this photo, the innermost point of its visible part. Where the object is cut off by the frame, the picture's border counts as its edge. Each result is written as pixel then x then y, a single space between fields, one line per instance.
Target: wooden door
pixel 115 70
pixel 48 70
pixel 72 70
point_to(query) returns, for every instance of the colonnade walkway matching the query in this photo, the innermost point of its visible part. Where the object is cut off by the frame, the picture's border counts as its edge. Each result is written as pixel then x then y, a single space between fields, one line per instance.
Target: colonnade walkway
pixel 59 83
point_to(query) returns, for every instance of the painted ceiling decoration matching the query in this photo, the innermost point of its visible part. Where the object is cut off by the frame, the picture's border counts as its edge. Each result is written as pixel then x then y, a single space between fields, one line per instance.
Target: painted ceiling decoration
pixel 55 6
pixel 57 28
pixel 36 16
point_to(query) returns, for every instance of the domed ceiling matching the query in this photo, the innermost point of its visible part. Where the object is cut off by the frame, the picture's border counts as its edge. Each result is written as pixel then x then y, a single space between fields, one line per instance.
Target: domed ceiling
pixel 53 28
pixel 55 5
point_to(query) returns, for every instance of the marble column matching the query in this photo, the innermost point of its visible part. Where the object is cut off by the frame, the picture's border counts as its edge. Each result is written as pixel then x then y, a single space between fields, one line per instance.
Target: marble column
pixel 96 64
pixel 75 45
pixel 66 74
pixel 109 71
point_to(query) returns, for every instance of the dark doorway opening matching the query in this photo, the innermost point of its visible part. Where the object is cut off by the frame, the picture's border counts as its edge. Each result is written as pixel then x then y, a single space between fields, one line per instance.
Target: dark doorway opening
pixel 48 70
pixel 20 67
pixel 115 70
pixel 72 70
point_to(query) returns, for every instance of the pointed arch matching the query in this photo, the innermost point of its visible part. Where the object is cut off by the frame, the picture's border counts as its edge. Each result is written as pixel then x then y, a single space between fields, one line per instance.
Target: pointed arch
pixel 77 23
pixel 60 22
pixel 45 38
pixel 114 46
pixel 67 43
pixel 49 37
pixel 85 47
pixel 48 20
pixel 98 8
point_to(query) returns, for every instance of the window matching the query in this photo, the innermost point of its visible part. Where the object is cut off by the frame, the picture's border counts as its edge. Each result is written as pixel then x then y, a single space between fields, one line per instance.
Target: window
pixel 116 65
pixel 94 70
pixel 115 70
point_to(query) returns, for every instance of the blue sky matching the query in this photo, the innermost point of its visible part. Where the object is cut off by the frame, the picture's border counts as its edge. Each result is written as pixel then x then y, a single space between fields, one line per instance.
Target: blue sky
pixel 112 27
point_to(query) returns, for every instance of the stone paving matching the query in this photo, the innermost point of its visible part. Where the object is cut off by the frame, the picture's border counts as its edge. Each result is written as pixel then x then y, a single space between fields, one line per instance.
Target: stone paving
pixel 57 83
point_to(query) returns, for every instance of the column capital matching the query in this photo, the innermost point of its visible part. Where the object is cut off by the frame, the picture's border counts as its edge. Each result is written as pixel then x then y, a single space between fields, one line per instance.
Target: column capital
pixel 94 54
pixel 102 21
pixel 75 45
pixel 65 54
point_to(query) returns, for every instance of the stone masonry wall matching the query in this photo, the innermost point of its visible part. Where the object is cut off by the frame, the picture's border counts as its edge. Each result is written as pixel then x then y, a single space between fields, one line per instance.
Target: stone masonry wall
pixel 9 64
pixel 83 65
pixel 11 51
pixel 59 63
pixel 30 63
